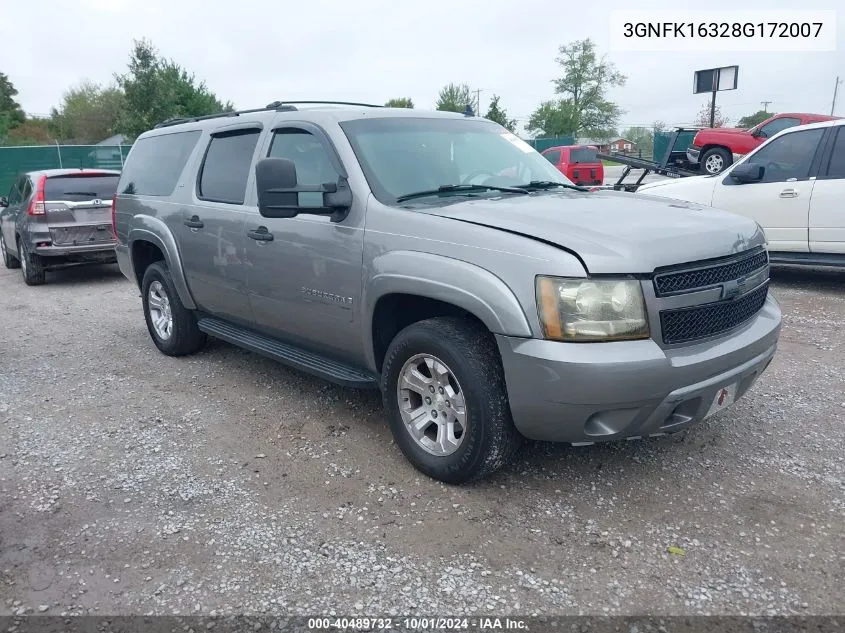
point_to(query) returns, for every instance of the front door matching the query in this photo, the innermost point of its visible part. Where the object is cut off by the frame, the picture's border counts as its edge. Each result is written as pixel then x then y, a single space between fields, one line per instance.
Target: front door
pixel 827 208
pixel 211 237
pixel 780 202
pixel 305 283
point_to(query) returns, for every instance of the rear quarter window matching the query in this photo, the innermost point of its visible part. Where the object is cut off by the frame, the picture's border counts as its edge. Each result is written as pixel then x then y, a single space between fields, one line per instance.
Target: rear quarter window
pixel 155 163
pixel 582 155
pixel 78 188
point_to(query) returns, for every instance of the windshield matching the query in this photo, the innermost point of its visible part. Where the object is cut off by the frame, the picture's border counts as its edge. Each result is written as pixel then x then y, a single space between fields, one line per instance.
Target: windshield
pixel 401 156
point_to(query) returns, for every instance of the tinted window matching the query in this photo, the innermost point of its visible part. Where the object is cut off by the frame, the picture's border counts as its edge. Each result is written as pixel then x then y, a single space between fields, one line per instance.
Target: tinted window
pixel 155 163
pixel 225 169
pixel 27 189
pixel 79 188
pixel 770 129
pixel 313 166
pixel 836 166
pixel 15 193
pixel 788 156
pixel 553 157
pixel 582 155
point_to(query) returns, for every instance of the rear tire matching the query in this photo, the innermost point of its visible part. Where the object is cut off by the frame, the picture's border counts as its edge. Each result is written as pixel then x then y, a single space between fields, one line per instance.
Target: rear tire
pixel 715 161
pixel 466 367
pixel 172 326
pixel 8 260
pixel 32 267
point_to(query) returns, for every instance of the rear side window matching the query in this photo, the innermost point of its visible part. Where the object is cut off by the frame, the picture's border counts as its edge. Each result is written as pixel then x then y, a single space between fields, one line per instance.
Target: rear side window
pixel 225 169
pixel 155 163
pixel 836 166
pixel 26 191
pixel 582 155
pixel 553 157
pixel 80 188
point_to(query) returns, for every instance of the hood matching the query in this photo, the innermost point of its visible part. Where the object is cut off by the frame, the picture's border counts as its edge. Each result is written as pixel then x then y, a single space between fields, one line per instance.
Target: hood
pixel 614 232
pixel 657 184
pixel 719 132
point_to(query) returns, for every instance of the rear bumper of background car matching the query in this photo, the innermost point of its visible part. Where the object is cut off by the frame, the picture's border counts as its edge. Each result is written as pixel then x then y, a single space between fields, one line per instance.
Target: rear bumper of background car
pixel 590 392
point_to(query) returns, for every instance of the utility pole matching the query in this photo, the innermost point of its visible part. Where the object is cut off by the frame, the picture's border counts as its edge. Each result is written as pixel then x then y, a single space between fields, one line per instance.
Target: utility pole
pixel 765 105
pixel 835 90
pixel 713 109
pixel 478 102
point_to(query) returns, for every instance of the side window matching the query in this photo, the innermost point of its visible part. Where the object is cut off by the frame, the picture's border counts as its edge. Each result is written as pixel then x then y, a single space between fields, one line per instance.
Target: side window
pixel 313 166
pixel 15 193
pixel 553 157
pixel 770 129
pixel 788 157
pixel 836 166
pixel 26 191
pixel 155 163
pixel 225 169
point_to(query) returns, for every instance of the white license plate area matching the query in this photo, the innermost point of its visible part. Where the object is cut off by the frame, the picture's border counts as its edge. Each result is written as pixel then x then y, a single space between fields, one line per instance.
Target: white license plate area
pixel 724 398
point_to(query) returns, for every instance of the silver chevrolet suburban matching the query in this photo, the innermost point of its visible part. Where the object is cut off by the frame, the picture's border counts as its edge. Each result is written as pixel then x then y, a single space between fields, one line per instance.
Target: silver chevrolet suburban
pixel 439 258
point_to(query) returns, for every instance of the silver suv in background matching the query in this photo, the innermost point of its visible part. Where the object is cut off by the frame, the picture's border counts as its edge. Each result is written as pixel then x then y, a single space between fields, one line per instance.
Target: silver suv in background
pixel 57 218
pixel 440 259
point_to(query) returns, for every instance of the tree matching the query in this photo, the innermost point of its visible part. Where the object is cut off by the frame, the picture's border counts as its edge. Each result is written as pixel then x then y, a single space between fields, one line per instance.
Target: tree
pixel 702 119
pixel 456 98
pixel 584 85
pixel 642 137
pixel 88 113
pixel 553 118
pixel 400 102
pixel 11 114
pixel 156 90
pixel 500 115
pixel 754 119
pixel 33 131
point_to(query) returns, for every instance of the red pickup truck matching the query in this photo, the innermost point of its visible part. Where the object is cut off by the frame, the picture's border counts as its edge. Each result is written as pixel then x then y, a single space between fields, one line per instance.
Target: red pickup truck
pixel 714 149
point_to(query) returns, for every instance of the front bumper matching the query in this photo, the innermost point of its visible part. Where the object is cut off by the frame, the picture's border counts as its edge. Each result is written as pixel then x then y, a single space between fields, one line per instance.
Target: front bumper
pixel 693 155
pixel 591 392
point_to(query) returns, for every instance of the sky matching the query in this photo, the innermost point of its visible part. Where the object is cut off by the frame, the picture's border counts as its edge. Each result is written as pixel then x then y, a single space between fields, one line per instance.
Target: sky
pixel 253 52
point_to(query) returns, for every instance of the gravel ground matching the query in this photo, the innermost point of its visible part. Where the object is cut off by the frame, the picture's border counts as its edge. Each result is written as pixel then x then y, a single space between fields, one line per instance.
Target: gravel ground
pixel 133 483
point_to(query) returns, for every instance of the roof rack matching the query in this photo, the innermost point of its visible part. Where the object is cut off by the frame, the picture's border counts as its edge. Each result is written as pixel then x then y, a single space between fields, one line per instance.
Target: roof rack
pixel 278 106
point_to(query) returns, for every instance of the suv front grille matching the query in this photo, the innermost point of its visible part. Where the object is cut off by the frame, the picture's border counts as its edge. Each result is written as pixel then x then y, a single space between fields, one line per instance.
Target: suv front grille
pixel 685 280
pixel 696 322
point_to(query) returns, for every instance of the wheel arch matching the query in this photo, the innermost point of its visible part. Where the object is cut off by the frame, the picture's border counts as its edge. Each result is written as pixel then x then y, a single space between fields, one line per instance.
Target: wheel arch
pixel 153 233
pixel 398 295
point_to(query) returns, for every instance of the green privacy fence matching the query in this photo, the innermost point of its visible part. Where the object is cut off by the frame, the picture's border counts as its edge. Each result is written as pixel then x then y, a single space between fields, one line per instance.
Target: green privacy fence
pixel 661 142
pixel 15 160
pixel 541 144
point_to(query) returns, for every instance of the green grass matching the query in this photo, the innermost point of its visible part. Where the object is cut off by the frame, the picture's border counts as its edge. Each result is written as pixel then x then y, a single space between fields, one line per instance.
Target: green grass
pixel 610 163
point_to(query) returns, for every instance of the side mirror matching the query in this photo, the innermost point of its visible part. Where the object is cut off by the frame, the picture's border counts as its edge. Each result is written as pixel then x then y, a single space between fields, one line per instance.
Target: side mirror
pixel 748 172
pixel 760 134
pixel 4 202
pixel 278 192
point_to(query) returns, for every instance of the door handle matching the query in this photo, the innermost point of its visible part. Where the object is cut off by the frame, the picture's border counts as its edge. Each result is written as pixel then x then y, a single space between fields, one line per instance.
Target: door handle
pixel 789 193
pixel 193 223
pixel 261 234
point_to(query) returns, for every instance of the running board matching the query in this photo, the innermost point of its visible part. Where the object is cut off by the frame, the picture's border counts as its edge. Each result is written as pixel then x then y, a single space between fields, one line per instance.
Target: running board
pixel 309 362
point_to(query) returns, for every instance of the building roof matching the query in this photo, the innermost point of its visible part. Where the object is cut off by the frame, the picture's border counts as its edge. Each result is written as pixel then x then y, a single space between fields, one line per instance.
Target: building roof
pixel 117 139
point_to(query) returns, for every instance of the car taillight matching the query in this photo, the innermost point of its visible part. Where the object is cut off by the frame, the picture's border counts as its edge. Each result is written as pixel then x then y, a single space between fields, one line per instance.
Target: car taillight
pixel 36 205
pixel 114 215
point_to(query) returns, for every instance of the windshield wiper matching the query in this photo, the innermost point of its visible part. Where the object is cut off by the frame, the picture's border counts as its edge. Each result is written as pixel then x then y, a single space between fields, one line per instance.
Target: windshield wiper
pixel 537 185
pixel 458 189
pixel 93 194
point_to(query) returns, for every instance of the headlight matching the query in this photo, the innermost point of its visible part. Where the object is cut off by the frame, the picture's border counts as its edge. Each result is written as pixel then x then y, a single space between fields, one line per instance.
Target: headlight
pixel 584 310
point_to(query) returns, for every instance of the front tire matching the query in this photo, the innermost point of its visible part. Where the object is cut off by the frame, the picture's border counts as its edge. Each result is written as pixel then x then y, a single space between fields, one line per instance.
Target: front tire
pixel 8 260
pixel 32 267
pixel 172 326
pixel 715 160
pixel 446 401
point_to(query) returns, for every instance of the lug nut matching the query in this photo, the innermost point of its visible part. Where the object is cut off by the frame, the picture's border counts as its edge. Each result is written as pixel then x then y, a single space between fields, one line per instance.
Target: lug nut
pixel 427 400
pixel 433 413
pixel 440 390
pixel 431 388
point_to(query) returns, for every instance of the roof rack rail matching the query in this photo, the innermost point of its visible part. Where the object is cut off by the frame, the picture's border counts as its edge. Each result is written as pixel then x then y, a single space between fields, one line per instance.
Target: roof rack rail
pixel 278 106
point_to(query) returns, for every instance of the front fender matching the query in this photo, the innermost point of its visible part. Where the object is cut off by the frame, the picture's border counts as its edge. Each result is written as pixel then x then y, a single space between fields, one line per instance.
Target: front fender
pixel 475 289
pixel 153 230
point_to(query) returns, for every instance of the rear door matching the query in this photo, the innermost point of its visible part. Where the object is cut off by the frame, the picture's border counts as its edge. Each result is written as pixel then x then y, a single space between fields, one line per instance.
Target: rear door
pixel 827 207
pixel 77 208
pixel 9 215
pixel 780 202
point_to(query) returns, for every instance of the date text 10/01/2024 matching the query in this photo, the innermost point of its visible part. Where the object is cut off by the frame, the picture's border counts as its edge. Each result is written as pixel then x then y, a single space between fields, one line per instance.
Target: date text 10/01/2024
pixel 417 624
